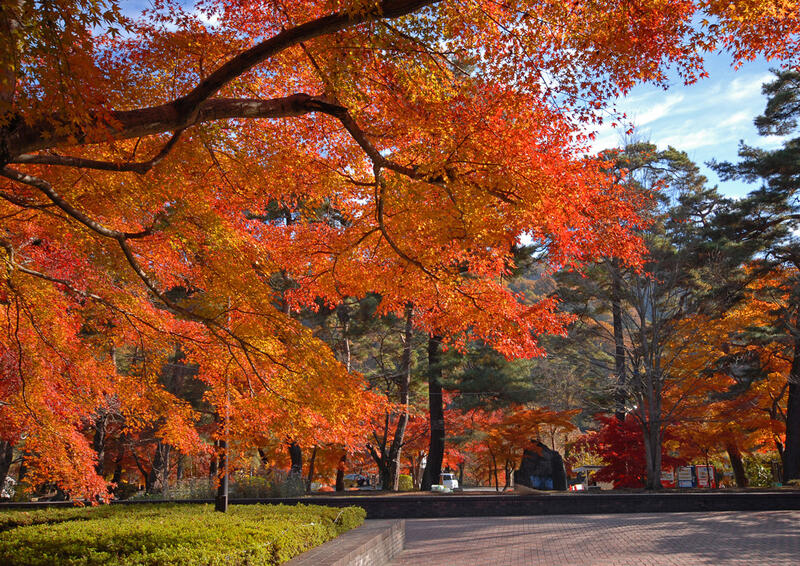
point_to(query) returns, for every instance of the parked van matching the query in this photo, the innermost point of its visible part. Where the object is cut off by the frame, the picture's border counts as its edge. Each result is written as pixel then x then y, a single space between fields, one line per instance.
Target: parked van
pixel 449 481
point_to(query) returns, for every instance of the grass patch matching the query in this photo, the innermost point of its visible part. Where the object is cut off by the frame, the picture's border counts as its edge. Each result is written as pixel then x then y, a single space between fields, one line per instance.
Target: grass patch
pixel 169 534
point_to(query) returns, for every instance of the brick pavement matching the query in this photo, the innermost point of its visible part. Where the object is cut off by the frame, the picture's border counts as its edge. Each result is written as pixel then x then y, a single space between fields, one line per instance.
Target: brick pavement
pixel 768 538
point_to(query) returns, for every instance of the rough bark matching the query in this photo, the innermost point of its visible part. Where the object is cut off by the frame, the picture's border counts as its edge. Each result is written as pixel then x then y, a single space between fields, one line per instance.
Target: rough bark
pixel 117 477
pixel 221 501
pixel 158 477
pixel 22 472
pixel 620 397
pixel 387 455
pixel 99 442
pixel 433 466
pixel 738 466
pixel 296 457
pixel 310 477
pixel 6 458
pixel 652 448
pixel 340 473
pixel 791 448
pixel 791 451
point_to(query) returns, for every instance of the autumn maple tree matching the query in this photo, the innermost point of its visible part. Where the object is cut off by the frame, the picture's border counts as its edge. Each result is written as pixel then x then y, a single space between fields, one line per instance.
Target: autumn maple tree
pixel 409 143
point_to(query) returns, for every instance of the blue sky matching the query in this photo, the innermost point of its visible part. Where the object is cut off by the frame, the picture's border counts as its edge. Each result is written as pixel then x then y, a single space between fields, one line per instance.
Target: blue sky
pixel 706 119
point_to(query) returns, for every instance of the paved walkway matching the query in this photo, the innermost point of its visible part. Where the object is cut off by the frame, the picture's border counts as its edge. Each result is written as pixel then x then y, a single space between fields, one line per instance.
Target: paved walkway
pixel 768 538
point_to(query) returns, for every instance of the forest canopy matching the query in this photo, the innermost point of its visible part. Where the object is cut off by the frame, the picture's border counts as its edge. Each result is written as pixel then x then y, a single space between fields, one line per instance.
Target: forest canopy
pixel 182 188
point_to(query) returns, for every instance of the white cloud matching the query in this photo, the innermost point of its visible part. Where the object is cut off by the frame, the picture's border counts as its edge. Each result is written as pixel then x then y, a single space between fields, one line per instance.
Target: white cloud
pixel 739 119
pixel 693 139
pixel 657 111
pixel 742 88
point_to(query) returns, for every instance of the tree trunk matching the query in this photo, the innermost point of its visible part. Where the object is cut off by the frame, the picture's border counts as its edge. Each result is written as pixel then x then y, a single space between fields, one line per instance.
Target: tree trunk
pixel 340 473
pixel 791 450
pixel 494 471
pixel 620 396
pixel 159 471
pixel 99 442
pixel 117 477
pixel 6 457
pixel 403 387
pixel 415 479
pixel 652 448
pixel 296 456
pixel 221 501
pixel 343 314
pixel 310 477
pixel 736 463
pixel 433 466
pixel 263 457
pixel 22 471
pixel 179 468
pixel 387 478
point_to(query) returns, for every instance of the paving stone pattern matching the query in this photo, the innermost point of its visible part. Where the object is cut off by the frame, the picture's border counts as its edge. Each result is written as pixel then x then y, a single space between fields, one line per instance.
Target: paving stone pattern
pixel 676 539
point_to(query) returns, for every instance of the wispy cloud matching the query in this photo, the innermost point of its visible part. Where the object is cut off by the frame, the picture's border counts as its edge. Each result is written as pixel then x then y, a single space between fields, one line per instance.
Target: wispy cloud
pixel 749 87
pixel 689 140
pixel 741 118
pixel 656 111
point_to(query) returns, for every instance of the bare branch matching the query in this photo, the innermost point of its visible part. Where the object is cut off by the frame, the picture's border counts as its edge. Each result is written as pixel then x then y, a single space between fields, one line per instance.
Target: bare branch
pixel 59 201
pixel 81 163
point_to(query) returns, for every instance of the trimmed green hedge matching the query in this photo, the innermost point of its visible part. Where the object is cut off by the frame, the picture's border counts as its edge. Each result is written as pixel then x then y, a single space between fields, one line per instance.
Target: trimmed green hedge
pixel 169 534
pixel 405 483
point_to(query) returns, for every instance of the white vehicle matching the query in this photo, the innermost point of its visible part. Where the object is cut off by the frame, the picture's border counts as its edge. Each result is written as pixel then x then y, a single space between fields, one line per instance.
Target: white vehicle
pixel 449 481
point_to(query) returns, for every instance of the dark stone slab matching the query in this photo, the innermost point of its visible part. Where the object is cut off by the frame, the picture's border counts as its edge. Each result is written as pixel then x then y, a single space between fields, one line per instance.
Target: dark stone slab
pixel 541 468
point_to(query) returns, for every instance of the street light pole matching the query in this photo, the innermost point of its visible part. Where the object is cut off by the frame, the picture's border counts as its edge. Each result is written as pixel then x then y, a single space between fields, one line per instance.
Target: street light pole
pixel 221 501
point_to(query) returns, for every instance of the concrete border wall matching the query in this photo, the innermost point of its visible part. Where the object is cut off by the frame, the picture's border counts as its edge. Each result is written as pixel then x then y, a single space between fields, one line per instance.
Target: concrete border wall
pixel 463 505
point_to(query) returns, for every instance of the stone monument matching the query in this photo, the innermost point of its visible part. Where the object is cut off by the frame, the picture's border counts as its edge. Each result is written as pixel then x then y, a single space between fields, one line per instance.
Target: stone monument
pixel 541 468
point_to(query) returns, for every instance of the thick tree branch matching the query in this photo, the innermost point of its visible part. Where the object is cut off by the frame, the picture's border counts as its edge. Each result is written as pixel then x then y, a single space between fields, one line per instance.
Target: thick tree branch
pixel 81 163
pixel 23 203
pixel 194 107
pixel 326 25
pixel 59 201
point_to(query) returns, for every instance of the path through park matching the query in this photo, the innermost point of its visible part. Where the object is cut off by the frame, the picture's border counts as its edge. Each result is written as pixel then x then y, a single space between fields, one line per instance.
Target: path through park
pixel 675 539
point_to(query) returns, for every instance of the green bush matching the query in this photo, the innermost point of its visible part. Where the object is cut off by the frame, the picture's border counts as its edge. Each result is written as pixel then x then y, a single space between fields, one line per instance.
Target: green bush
pixel 257 487
pixel 169 534
pixel 758 468
pixel 405 483
pixel 184 489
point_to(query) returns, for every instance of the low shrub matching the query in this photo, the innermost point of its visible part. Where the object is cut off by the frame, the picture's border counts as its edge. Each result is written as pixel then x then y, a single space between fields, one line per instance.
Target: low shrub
pixel 259 487
pixel 169 534
pixel 758 468
pixel 405 483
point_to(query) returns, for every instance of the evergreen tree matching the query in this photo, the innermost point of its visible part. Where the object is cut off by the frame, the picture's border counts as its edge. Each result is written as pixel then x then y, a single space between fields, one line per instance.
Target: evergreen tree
pixel 766 222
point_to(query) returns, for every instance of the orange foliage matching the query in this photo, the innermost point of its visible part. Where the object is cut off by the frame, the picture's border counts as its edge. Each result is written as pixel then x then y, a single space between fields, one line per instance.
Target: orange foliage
pixel 142 172
pixel 711 408
pixel 505 433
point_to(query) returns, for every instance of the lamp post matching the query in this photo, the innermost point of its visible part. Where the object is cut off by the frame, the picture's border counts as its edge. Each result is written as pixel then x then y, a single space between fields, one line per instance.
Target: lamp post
pixel 221 501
